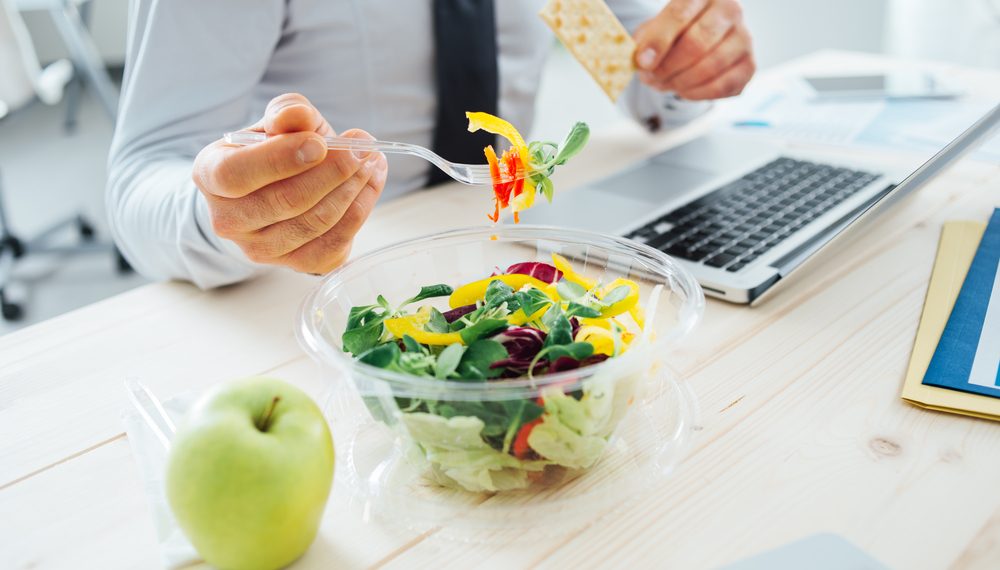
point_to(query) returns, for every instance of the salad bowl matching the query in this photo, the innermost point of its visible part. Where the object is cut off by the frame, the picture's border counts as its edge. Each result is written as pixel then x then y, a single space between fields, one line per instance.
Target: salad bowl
pixel 436 445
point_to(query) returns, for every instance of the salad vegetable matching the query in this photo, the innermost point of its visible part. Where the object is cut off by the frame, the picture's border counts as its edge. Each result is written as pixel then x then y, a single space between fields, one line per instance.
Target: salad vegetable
pixel 524 169
pixel 531 319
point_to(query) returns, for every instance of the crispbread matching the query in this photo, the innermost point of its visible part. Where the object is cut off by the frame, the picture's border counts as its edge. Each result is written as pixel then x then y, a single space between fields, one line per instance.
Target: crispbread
pixel 595 37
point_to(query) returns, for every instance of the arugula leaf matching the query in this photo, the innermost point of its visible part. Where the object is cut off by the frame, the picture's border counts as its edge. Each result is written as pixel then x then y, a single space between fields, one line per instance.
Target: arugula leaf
pixel 546 188
pixel 437 323
pixel 364 329
pixel 447 361
pixel 570 291
pixel 498 293
pixel 532 300
pixel 560 332
pixel 415 363
pixel 428 292
pixel 358 314
pixel 475 363
pixel 553 314
pixel 615 295
pixel 412 345
pixel 574 350
pixel 382 356
pixel 574 143
pixel 482 329
pixel 577 310
pixel 383 302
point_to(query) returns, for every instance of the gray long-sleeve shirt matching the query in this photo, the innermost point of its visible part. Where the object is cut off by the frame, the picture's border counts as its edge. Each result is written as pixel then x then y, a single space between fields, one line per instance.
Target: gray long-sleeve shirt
pixel 196 69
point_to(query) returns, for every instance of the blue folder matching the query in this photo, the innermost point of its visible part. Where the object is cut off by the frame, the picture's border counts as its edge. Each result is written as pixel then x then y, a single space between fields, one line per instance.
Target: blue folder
pixel 967 357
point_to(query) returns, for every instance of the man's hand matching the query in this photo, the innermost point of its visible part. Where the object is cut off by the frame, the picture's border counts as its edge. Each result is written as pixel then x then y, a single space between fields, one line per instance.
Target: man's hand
pixel 699 49
pixel 287 201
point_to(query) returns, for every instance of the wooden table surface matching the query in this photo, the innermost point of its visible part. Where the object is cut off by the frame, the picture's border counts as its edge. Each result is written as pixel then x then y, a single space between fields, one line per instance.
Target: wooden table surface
pixel 802 428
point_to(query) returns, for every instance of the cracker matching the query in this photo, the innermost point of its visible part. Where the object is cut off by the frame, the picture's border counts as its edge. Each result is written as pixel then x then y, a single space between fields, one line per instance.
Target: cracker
pixel 595 37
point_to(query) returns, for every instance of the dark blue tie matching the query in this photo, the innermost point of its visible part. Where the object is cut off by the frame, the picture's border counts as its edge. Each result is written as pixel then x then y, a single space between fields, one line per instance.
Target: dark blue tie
pixel 465 76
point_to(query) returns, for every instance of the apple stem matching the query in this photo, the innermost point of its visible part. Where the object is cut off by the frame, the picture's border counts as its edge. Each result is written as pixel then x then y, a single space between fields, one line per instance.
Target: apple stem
pixel 265 421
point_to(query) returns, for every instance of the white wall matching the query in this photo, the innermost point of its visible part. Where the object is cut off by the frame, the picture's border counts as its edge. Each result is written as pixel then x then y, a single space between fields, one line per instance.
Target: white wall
pixel 785 29
pixel 959 31
pixel 962 31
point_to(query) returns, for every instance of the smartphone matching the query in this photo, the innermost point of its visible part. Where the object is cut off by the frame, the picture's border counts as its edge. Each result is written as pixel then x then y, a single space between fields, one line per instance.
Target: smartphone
pixel 895 85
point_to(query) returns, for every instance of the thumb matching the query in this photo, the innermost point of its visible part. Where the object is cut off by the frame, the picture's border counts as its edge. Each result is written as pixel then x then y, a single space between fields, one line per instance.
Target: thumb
pixel 655 37
pixel 292 112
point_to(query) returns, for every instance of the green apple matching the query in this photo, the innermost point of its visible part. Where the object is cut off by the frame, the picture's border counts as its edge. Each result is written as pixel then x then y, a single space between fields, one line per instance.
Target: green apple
pixel 249 472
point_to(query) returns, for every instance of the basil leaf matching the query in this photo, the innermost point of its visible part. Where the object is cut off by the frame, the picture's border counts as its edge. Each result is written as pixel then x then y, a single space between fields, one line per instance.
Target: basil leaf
pixel 560 332
pixel 532 300
pixel 577 310
pixel 617 294
pixel 570 291
pixel 447 361
pixel 574 143
pixel 482 329
pixel 382 356
pixel 412 345
pixel 475 363
pixel 437 323
pixel 429 292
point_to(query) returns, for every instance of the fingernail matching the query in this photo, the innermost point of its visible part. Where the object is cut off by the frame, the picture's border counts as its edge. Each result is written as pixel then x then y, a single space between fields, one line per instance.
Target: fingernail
pixel 311 151
pixel 646 58
pixel 361 154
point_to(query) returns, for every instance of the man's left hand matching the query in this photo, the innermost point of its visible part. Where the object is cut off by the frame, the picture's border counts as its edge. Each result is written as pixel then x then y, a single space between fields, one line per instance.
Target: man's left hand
pixel 699 49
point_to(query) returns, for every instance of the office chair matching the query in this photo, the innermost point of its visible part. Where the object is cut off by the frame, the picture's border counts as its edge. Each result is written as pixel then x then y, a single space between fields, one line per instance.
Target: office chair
pixel 71 18
pixel 23 82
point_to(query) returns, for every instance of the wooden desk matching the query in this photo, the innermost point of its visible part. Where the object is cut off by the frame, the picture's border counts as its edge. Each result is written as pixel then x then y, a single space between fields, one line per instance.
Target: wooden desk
pixel 802 430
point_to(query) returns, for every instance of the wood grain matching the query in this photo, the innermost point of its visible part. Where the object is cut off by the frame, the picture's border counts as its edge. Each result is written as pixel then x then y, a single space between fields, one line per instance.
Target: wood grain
pixel 801 431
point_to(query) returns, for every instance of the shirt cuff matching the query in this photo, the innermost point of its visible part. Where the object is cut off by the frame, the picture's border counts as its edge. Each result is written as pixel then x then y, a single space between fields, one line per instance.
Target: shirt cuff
pixel 657 109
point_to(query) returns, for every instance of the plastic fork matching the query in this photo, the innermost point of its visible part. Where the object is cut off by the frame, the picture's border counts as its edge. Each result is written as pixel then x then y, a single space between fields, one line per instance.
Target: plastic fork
pixel 474 174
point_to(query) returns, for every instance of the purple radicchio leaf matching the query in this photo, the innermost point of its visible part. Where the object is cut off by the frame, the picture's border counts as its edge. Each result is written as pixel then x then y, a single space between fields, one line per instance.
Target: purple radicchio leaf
pixel 522 344
pixel 564 363
pixel 537 269
pixel 458 312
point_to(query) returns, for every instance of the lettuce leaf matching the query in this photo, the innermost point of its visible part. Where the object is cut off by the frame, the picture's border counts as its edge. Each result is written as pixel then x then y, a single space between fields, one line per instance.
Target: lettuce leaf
pixel 574 433
pixel 458 454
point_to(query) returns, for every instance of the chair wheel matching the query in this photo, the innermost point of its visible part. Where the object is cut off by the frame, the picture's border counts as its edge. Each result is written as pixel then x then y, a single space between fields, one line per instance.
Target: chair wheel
pixel 122 264
pixel 87 231
pixel 12 312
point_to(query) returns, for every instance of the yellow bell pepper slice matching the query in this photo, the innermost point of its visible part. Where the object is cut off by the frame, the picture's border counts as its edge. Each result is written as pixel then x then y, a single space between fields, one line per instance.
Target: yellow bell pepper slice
pixel 413 325
pixel 626 304
pixel 638 315
pixel 602 339
pixel 563 265
pixel 498 126
pixel 471 292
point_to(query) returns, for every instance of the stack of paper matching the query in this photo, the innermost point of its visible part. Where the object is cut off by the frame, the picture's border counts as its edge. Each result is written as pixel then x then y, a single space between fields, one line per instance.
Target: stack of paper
pixel 956 354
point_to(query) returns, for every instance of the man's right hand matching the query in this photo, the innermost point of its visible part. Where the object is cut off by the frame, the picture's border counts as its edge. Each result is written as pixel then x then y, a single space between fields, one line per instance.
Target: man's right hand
pixel 287 201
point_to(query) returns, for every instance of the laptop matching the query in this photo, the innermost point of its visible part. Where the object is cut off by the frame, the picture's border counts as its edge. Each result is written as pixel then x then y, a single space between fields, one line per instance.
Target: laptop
pixel 742 215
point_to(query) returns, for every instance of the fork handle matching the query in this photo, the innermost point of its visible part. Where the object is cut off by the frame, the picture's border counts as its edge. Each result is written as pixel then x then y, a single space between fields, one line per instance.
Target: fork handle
pixel 244 138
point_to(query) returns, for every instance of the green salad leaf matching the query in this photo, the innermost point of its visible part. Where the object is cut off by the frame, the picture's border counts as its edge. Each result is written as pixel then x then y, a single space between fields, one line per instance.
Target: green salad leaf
pixel 476 361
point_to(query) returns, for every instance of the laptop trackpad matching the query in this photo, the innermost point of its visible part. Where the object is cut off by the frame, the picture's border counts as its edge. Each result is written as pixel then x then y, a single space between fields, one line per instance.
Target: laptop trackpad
pixel 654 183
pixel 586 207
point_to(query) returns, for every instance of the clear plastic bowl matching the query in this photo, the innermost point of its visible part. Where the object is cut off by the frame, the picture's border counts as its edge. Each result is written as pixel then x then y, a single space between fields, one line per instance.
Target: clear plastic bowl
pixel 386 456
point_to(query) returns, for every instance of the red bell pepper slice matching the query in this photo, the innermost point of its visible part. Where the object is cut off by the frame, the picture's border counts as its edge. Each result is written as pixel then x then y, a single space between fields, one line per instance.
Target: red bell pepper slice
pixel 520 447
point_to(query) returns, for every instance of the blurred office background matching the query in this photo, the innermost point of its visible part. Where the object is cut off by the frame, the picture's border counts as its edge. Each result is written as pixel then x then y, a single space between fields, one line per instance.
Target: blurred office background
pixel 51 170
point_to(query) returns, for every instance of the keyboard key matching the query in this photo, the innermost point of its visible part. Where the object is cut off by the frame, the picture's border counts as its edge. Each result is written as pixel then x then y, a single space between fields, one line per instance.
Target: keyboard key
pixel 720 260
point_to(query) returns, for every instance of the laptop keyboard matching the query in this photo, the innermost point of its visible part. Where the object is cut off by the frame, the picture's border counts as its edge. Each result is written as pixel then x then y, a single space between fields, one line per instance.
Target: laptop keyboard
pixel 737 223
